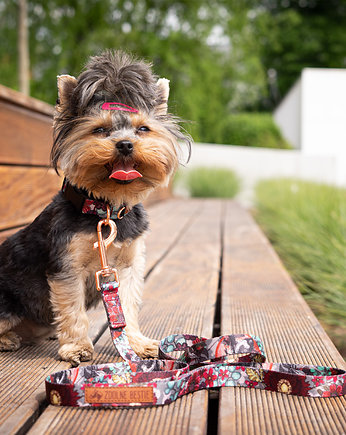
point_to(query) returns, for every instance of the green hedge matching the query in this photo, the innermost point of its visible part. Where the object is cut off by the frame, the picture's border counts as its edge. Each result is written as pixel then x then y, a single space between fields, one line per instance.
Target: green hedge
pixel 253 129
pixel 212 183
pixel 306 223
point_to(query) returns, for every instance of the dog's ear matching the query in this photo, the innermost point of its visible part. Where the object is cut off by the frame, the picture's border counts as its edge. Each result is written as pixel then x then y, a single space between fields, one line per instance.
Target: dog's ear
pixel 66 86
pixel 163 91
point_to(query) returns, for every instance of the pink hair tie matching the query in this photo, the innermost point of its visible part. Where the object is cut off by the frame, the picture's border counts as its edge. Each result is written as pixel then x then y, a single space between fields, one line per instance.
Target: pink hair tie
pixel 118 106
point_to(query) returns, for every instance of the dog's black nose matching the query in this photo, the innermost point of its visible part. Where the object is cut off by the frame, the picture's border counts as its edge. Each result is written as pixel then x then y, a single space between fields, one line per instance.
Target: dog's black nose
pixel 125 147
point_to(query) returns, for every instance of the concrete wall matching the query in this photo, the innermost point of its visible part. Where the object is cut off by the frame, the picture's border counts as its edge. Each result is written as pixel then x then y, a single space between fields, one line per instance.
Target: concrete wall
pixel 312 116
pixel 288 115
pixel 323 111
pixel 255 164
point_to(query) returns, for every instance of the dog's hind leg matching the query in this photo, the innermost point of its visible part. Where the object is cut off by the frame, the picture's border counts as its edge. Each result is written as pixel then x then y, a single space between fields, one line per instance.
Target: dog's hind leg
pixel 9 340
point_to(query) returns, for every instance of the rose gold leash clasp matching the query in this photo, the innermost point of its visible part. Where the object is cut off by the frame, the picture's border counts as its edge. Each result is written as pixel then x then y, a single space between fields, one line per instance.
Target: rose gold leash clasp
pixel 102 245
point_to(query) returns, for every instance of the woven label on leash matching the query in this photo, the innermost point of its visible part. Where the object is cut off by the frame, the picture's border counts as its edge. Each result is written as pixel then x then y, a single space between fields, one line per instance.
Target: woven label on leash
pixel 120 395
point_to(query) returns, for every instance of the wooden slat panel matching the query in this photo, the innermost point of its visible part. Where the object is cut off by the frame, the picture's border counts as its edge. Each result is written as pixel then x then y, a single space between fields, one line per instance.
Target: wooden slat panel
pixel 180 296
pixel 21 100
pixel 24 192
pixel 26 136
pixel 258 297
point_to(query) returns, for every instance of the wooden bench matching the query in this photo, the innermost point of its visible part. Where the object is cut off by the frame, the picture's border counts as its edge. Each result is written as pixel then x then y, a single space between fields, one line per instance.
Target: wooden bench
pixel 210 270
pixel 27 183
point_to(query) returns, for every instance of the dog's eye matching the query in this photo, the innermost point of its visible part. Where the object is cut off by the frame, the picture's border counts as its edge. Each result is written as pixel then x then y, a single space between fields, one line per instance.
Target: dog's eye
pixel 100 130
pixel 143 128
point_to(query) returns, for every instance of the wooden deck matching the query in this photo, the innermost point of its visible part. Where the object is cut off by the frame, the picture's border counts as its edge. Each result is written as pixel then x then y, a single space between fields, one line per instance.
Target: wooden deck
pixel 210 270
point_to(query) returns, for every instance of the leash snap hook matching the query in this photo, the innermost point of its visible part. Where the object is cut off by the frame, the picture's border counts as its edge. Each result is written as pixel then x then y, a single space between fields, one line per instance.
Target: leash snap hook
pixel 102 245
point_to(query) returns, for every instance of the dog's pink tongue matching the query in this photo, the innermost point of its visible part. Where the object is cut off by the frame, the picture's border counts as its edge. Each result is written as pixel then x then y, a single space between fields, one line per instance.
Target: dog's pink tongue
pixel 124 172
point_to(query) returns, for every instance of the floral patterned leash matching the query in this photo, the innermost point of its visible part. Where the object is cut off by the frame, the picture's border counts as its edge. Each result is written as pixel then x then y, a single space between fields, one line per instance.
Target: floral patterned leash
pixel 226 361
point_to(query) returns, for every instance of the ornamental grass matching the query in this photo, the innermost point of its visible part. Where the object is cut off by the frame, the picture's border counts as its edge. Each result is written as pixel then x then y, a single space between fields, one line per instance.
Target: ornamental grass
pixel 212 183
pixel 306 222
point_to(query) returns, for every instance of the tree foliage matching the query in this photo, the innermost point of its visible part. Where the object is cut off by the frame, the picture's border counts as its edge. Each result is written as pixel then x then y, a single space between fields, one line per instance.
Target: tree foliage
pixel 171 34
pixel 222 56
pixel 293 34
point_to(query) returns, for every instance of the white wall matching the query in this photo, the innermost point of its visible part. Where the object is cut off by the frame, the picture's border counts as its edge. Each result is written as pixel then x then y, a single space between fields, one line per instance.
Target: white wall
pixel 323 111
pixel 324 115
pixel 312 116
pixel 288 115
pixel 255 164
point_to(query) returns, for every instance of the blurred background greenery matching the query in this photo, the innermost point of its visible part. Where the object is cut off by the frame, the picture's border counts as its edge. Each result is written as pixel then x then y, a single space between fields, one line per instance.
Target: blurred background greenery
pixel 205 182
pixel 222 56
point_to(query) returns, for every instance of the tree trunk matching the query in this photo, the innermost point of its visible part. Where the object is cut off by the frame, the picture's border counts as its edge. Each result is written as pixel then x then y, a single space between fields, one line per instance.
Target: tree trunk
pixel 23 48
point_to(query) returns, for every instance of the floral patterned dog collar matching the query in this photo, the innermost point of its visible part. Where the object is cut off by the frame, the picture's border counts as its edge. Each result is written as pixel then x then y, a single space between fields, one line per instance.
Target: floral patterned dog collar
pixel 226 361
pixel 87 205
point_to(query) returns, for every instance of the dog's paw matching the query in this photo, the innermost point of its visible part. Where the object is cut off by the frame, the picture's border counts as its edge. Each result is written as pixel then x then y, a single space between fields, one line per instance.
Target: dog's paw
pixel 143 346
pixel 9 341
pixel 76 353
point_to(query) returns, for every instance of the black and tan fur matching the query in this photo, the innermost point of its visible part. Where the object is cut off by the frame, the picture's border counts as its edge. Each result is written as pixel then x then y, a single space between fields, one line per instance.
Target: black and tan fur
pixel 47 269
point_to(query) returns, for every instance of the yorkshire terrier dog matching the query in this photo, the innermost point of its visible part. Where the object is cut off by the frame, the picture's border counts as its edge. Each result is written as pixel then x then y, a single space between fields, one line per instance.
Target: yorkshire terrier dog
pixel 115 142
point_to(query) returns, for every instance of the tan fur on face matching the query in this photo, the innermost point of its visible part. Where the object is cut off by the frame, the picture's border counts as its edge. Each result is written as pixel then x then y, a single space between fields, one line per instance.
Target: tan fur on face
pixel 86 156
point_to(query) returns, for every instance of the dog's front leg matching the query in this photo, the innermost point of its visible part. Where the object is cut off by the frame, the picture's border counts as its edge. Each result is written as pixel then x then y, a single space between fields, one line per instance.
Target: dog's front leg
pixel 68 302
pixel 130 292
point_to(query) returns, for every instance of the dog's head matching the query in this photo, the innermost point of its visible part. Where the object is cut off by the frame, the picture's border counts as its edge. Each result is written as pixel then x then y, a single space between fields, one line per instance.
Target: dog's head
pixel 113 135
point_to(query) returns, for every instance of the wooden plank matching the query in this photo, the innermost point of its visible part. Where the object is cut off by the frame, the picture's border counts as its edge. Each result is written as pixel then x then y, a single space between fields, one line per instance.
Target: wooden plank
pixel 24 192
pixel 166 222
pixel 26 136
pixel 21 100
pixel 258 297
pixel 180 296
